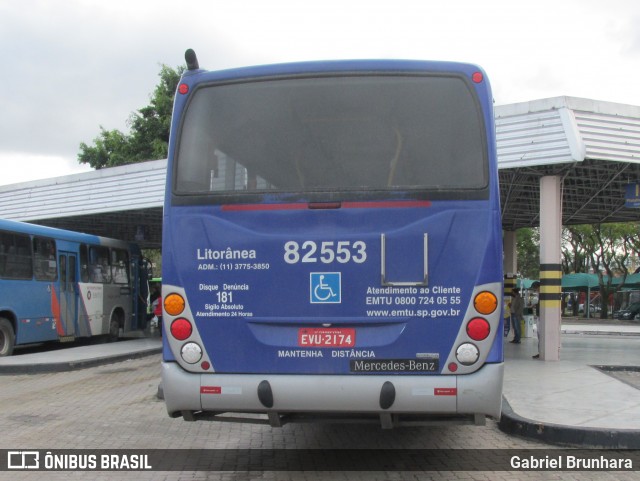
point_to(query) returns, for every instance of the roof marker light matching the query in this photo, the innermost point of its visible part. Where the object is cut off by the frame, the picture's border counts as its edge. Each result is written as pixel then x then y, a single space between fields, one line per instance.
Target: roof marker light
pixel 183 89
pixel 477 77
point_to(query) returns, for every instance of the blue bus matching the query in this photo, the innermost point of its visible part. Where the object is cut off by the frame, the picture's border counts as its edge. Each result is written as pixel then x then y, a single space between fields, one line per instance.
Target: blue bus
pixel 58 285
pixel 332 245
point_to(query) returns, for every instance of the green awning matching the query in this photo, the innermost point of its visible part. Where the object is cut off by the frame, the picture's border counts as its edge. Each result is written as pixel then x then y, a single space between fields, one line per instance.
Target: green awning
pixel 632 280
pixel 574 282
pixel 526 283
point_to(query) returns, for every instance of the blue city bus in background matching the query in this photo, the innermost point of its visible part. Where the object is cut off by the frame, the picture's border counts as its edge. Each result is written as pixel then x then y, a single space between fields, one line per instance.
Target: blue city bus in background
pixel 332 245
pixel 58 285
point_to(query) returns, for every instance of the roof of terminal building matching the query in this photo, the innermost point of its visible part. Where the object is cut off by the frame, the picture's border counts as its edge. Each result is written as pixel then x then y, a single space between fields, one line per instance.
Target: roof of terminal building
pixel 111 202
pixel 593 145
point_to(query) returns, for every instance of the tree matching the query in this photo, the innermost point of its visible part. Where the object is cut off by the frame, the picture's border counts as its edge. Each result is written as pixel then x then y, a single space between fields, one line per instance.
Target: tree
pixel 149 136
pixel 528 249
pixel 607 247
pixel 574 256
pixel 155 257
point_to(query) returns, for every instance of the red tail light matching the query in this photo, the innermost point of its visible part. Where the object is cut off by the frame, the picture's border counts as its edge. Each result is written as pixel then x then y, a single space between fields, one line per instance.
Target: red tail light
pixel 181 329
pixel 478 328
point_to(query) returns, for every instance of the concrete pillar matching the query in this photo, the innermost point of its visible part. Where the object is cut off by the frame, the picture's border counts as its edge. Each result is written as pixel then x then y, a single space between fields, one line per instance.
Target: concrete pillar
pixel 510 257
pixel 550 267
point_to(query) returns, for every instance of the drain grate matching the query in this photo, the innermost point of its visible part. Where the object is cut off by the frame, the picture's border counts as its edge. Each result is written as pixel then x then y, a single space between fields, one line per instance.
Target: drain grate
pixel 627 374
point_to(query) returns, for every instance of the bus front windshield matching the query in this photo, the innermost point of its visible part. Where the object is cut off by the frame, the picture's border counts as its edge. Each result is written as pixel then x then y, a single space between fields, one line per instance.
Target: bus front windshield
pixel 333 134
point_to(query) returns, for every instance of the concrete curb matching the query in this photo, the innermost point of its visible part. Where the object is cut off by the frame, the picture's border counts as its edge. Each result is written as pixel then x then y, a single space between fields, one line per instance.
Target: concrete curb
pixel 597 332
pixel 584 437
pixel 75 365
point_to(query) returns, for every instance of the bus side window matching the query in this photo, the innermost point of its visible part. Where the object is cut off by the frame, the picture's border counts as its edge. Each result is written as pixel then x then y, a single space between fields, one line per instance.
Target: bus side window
pixel 99 269
pixel 44 259
pixel 17 258
pixel 4 248
pixel 84 264
pixel 120 266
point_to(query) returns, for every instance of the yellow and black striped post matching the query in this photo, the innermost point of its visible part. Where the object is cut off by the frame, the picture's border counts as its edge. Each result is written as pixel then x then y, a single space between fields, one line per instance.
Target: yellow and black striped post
pixel 509 284
pixel 550 286
pixel 550 304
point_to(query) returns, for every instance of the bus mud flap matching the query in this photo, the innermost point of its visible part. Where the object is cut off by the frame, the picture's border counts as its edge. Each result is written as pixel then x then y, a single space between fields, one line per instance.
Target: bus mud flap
pixel 275 421
pixel 386 421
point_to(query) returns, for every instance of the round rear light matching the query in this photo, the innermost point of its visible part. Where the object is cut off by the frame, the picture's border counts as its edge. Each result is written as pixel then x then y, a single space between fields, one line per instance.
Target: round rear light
pixel 477 77
pixel 183 89
pixel 181 329
pixel 467 354
pixel 485 302
pixel 174 304
pixel 478 329
pixel 191 352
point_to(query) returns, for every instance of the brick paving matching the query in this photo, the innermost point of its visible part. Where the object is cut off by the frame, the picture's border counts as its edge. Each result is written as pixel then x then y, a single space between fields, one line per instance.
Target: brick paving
pixel 115 407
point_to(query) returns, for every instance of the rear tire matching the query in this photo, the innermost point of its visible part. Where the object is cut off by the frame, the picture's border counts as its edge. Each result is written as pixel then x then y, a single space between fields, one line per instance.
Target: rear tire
pixel 114 329
pixel 7 337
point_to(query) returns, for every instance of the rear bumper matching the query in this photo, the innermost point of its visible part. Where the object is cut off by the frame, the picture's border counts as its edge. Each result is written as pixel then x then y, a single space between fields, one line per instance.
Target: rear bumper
pixel 476 394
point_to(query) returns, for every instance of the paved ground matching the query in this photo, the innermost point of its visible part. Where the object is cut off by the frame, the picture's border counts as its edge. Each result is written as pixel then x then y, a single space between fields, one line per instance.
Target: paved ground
pixel 584 390
pixel 114 406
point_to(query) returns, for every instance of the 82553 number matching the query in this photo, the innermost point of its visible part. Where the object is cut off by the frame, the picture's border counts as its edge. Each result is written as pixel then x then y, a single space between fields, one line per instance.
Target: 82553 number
pixel 326 252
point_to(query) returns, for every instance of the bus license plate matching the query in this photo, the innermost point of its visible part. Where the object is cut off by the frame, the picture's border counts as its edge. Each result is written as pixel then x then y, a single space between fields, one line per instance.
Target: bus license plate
pixel 326 337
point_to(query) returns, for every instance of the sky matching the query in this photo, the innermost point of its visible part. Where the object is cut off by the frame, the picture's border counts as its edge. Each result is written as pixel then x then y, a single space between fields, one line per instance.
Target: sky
pixel 72 66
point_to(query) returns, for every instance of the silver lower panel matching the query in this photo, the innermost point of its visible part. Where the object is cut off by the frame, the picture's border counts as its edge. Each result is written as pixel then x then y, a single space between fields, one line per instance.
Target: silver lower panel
pixel 196 395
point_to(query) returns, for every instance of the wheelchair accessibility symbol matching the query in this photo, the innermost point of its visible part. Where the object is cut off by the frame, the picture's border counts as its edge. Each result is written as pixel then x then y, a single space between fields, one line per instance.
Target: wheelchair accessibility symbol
pixel 325 288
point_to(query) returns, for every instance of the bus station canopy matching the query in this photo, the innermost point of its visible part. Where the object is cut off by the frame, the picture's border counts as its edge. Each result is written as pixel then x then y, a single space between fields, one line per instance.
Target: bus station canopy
pixel 593 146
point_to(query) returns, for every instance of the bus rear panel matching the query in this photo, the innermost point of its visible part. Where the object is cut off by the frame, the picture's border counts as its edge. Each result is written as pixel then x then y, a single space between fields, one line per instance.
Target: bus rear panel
pixel 332 245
